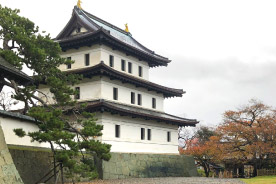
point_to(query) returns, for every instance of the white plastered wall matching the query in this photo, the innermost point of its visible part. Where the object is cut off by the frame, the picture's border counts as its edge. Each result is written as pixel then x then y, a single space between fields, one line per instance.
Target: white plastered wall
pixel 102 88
pixel 8 124
pixel 79 57
pixel 130 135
pixel 124 94
pixel 82 30
pixel 99 53
pixel 118 56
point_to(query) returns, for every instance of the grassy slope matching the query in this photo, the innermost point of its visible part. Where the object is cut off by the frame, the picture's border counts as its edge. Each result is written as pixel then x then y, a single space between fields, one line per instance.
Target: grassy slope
pixel 261 180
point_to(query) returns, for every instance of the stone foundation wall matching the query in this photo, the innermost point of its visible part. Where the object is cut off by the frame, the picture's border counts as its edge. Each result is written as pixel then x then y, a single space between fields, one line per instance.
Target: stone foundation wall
pixel 32 163
pixel 8 172
pixel 129 165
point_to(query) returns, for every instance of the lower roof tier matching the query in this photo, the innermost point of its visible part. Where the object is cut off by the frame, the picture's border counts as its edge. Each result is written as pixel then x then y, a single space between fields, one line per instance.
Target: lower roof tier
pixel 10 72
pixel 121 109
pixel 104 70
pixel 136 112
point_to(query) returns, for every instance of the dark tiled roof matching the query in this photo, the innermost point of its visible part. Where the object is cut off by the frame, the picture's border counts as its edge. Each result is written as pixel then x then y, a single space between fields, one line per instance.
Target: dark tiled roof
pixel 108 34
pixel 136 112
pixel 102 69
pixel 9 71
pixel 16 116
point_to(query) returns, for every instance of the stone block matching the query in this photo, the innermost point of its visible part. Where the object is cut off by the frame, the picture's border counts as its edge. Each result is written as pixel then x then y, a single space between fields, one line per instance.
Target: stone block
pixel 125 171
pixel 2 161
pixel 8 159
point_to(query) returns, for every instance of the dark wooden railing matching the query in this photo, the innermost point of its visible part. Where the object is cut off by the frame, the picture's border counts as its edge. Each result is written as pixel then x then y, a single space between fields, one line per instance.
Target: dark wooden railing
pixel 266 172
pixel 55 172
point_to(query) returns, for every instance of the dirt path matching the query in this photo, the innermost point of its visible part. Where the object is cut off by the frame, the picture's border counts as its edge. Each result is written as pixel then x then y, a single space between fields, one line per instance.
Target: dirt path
pixel 169 180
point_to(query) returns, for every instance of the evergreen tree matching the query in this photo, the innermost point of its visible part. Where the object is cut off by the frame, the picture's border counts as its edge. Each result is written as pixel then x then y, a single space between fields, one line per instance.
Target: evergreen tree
pixel 66 126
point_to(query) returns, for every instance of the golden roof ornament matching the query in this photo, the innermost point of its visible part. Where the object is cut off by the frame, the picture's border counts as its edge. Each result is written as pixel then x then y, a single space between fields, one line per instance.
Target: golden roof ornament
pixel 126 30
pixel 79 4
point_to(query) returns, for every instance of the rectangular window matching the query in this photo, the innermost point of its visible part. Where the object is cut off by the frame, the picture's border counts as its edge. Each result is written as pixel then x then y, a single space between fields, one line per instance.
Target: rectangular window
pixel 69 65
pixel 142 134
pixel 115 93
pixel 169 136
pixel 87 60
pixel 153 103
pixel 77 95
pixel 149 134
pixel 140 71
pixel 132 98
pixel 139 99
pixel 111 61
pixel 129 67
pixel 123 65
pixel 117 131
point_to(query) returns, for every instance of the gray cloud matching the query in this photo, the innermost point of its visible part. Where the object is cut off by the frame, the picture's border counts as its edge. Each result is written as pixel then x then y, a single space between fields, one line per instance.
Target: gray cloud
pixel 215 86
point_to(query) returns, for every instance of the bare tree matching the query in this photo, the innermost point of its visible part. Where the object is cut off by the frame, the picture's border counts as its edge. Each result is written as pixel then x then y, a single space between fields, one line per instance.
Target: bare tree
pixel 6 100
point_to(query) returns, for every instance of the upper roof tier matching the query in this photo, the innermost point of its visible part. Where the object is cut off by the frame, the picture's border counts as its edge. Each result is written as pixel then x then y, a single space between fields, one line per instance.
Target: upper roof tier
pixel 104 70
pixel 85 29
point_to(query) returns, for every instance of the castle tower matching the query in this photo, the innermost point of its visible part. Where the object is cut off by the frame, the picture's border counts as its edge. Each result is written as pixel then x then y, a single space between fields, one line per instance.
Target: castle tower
pixel 116 85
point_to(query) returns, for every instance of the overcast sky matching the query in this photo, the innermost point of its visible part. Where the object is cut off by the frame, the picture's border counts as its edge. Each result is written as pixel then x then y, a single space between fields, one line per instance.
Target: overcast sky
pixel 223 52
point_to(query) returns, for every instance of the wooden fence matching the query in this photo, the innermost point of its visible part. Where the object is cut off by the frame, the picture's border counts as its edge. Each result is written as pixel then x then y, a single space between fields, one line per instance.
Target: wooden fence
pixel 266 172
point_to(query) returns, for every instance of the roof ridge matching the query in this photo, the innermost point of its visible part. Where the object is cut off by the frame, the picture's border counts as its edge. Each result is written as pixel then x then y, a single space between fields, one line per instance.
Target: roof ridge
pixel 106 23
pixel 118 29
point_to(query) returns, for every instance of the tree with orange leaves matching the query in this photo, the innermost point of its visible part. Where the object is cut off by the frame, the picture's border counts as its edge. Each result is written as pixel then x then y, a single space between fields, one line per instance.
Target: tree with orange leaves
pixel 198 146
pixel 248 135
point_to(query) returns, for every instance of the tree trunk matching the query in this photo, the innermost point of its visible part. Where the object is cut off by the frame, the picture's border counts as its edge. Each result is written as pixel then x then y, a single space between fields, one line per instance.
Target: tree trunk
pixel 255 169
pixel 206 169
pixel 6 44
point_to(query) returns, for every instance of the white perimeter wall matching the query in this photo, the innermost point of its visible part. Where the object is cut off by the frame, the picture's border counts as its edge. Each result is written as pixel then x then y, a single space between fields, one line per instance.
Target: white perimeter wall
pixel 8 124
pixel 128 142
pixel 130 135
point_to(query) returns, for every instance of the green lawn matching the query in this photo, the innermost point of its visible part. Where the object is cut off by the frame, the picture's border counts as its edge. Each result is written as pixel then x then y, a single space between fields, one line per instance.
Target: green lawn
pixel 261 180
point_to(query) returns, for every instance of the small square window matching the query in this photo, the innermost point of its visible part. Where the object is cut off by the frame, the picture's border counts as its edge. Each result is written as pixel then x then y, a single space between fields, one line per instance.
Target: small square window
pixel 111 61
pixel 149 134
pixel 139 99
pixel 77 95
pixel 115 93
pixel 140 71
pixel 69 66
pixel 142 134
pixel 117 131
pixel 153 103
pixel 132 98
pixel 169 136
pixel 123 65
pixel 87 60
pixel 129 67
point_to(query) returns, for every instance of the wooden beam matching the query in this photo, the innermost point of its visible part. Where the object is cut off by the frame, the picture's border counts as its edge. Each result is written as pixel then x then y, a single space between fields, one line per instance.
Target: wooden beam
pixel 1 83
